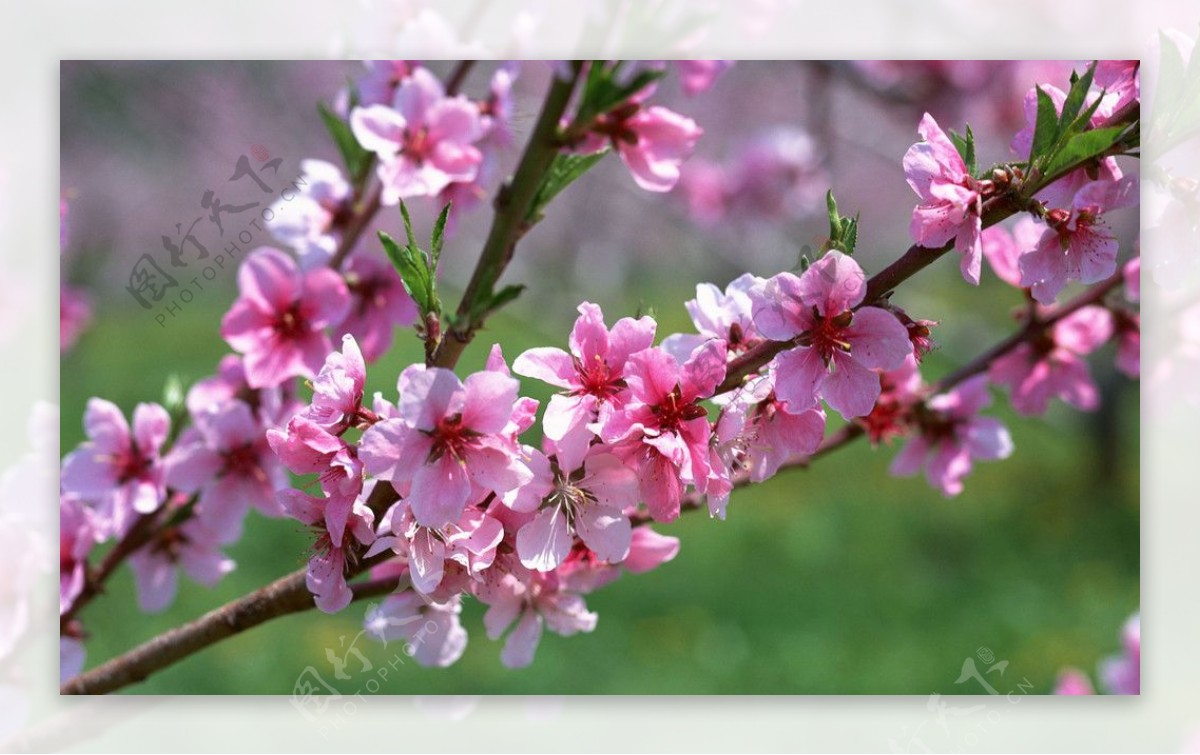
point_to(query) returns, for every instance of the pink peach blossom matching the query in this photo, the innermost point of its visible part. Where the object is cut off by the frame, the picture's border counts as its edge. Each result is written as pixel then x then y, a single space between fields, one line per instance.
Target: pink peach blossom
pixel 424 140
pixel 446 442
pixel 378 305
pixel 951 204
pixel 278 323
pixel 592 374
pixel 951 435
pixel 837 345
pixel 227 459
pixel 118 469
pixel 1077 245
pixel 1053 365
pixel 663 430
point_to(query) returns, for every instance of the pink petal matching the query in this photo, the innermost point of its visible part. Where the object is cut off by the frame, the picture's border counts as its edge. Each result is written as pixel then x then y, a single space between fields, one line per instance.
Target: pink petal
pixel 648 550
pixel 545 541
pixel 269 279
pixel 605 531
pixel 797 374
pixel 850 388
pixel 550 365
pixel 877 339
pixel 489 401
pixel 439 492
pixel 833 284
pixel 378 129
pixel 522 643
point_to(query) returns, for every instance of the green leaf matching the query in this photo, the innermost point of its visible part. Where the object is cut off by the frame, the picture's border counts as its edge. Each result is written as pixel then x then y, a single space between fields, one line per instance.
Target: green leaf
pixel 1082 147
pixel 439 234
pixel 843 232
pixel 356 159
pixel 562 173
pixel 966 148
pixel 1076 96
pixel 1046 129
pixel 414 273
pixel 408 229
pixel 497 300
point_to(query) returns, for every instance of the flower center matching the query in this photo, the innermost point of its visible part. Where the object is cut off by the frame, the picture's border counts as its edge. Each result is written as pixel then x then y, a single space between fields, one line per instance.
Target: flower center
pixel 450 437
pixel 417 145
pixel 290 323
pixel 673 412
pixel 828 335
pixel 597 379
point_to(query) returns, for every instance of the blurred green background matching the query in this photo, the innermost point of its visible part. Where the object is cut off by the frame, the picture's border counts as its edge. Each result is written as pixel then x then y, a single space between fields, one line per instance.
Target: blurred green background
pixel 838 579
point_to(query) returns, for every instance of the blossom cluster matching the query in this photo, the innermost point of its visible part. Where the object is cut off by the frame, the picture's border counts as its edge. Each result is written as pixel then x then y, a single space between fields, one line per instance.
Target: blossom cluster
pixel 1069 239
pixel 460 486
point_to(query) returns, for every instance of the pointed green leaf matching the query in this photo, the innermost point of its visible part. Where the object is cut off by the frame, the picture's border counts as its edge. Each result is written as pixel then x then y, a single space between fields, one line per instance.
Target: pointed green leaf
pixel 1076 96
pixel 414 273
pixel 408 229
pixel 1083 147
pixel 439 233
pixel 356 159
pixel 1045 131
pixel 563 172
pixel 966 148
pixel 496 301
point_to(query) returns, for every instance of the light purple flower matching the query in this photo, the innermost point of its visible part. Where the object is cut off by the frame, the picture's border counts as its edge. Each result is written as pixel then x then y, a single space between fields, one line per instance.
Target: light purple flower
pixel 71 657
pixel 663 430
pixel 762 433
pixel 74 315
pixel 588 499
pixel 278 323
pixel 1077 246
pixel 838 346
pixel 77 535
pixel 654 142
pixel 378 85
pixel 951 435
pixel 119 470
pixel 341 524
pixel 1052 365
pixel 528 603
pixel 432 633
pixel 312 221
pixel 725 315
pixel 337 402
pixel 227 459
pixel 378 305
pixel 1073 682
pixel 470 543
pixel 592 374
pixel 424 141
pixel 699 75
pixel 1122 674
pixel 1003 249
pixel 447 442
pixel 273 406
pixel 951 205
pixel 189 546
